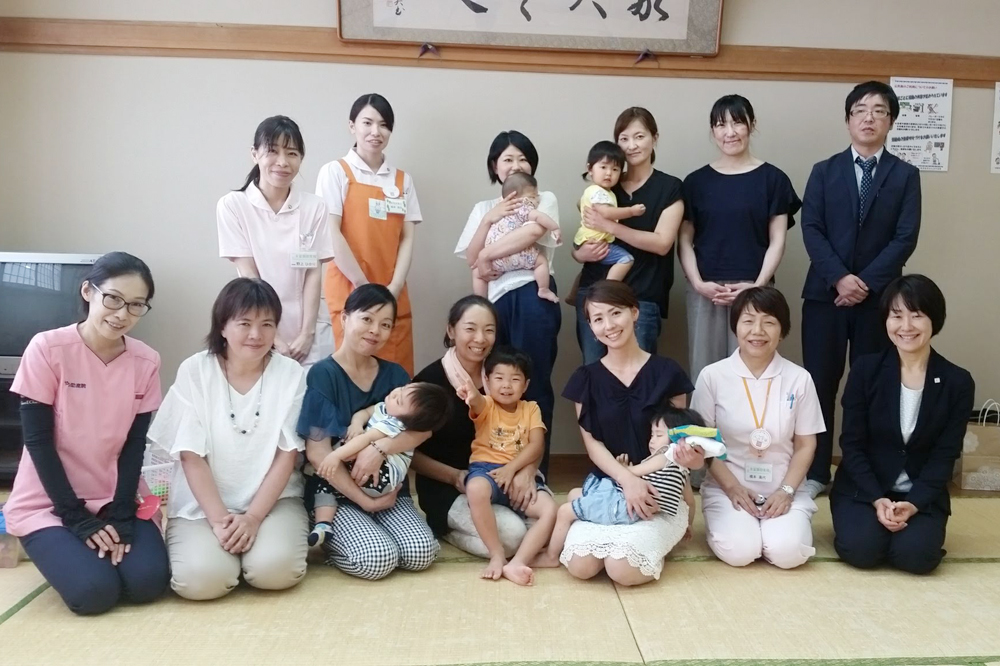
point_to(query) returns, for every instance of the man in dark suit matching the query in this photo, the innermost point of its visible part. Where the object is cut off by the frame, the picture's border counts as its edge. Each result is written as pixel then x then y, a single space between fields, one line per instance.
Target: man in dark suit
pixel 860 220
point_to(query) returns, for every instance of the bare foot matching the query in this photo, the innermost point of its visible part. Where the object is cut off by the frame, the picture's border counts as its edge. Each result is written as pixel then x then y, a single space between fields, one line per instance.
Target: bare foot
pixel 545 561
pixel 548 295
pixel 519 573
pixel 494 569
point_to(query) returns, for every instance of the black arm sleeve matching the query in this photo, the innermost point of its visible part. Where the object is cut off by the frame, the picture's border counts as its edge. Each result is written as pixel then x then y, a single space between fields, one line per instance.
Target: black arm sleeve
pixel 121 512
pixel 38 428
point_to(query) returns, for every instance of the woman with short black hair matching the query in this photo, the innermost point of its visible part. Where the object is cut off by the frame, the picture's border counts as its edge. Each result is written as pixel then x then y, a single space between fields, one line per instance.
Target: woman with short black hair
pixel 373 217
pixel 905 414
pixel 526 321
pixel 767 411
pixel 235 506
pixel 370 536
pixel 737 212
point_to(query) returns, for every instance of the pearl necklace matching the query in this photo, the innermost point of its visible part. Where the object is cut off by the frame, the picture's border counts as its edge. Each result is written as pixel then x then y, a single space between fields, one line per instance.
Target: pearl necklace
pixel 232 411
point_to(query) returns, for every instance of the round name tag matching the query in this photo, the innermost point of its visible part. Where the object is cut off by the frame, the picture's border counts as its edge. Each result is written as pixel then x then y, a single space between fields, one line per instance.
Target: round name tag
pixel 391 191
pixel 760 440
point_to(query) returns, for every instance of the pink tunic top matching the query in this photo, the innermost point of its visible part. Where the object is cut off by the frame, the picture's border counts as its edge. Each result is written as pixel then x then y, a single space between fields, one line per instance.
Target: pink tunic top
pixel 94 406
pixel 249 228
pixel 792 408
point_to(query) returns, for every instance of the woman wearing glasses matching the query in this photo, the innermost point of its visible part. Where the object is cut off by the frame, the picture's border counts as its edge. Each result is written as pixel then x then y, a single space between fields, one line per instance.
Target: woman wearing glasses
pixel 88 392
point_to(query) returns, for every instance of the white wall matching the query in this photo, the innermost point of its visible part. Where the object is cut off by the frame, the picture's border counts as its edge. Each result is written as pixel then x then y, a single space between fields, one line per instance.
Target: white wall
pixel 931 26
pixel 105 152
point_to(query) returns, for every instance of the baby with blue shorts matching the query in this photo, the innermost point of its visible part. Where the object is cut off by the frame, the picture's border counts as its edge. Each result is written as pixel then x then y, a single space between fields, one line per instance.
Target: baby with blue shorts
pixel 602 501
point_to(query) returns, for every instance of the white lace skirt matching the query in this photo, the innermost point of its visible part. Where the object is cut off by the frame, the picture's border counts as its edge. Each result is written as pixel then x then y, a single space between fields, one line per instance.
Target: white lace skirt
pixel 644 544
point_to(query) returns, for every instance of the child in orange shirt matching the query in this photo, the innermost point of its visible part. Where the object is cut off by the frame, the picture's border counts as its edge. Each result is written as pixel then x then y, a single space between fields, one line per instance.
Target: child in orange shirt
pixel 509 435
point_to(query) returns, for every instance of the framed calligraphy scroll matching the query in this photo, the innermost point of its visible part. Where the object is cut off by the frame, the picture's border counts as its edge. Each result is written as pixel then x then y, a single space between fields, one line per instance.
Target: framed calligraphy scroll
pixel 682 27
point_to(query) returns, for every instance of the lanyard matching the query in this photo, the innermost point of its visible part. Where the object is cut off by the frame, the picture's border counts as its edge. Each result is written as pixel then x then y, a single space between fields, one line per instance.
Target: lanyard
pixel 759 424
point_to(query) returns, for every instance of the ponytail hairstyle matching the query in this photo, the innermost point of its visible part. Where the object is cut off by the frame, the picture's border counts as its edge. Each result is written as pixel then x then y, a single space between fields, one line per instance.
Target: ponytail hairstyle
pixel 274 131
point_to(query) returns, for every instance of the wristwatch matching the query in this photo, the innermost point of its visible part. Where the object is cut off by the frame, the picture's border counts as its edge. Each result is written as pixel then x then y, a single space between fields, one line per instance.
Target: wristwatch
pixel 789 490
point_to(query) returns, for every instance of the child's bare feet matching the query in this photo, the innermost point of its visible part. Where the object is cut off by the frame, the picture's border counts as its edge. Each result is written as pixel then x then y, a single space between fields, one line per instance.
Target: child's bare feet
pixel 545 561
pixel 494 570
pixel 548 295
pixel 519 573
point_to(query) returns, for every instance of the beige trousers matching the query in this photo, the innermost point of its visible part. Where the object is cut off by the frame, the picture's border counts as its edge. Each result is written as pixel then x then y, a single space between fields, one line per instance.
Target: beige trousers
pixel 201 569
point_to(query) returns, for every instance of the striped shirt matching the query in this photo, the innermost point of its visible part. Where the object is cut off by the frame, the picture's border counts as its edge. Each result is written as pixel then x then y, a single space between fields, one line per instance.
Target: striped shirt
pixel 669 484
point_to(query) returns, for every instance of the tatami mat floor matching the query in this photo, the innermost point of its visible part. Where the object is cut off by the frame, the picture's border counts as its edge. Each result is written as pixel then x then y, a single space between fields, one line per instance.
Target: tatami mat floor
pixel 701 613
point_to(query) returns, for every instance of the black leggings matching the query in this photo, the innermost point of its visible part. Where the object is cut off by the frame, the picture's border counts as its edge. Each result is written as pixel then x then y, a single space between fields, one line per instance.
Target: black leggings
pixel 91 585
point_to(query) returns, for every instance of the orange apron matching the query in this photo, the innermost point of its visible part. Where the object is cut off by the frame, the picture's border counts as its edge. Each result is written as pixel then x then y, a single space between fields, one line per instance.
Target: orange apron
pixel 375 244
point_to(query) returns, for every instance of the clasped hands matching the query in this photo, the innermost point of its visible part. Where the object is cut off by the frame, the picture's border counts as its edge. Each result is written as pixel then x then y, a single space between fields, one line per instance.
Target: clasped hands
pixel 893 515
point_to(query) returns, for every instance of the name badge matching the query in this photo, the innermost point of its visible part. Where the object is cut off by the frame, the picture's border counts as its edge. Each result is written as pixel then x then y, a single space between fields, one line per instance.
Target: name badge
pixel 757 472
pixel 397 206
pixel 376 209
pixel 304 260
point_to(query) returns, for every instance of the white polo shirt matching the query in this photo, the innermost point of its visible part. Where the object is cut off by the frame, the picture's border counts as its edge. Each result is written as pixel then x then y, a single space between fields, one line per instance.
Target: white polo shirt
pixel 792 409
pixel 331 184
pixel 547 204
pixel 248 227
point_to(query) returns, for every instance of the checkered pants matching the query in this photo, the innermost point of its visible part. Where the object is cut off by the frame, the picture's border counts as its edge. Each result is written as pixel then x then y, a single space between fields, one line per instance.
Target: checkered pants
pixel 372 545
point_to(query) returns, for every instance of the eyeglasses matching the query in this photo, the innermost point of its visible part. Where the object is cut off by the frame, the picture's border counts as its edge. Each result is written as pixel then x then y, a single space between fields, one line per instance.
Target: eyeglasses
pixel 112 302
pixel 878 112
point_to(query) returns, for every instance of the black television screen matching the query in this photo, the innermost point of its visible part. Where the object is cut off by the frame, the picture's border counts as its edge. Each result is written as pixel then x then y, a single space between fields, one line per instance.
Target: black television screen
pixel 35 297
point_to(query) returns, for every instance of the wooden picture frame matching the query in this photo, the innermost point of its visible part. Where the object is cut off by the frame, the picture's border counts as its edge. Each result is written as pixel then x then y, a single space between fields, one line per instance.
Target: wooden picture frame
pixel 673 27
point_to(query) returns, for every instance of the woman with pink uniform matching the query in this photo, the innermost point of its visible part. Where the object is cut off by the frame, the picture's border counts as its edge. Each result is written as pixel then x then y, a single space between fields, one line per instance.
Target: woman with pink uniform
pixel 274 231
pixel 88 392
pixel 768 413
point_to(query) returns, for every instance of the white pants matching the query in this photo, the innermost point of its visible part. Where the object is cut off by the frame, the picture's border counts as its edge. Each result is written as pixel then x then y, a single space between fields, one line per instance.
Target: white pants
pixel 201 569
pixel 737 538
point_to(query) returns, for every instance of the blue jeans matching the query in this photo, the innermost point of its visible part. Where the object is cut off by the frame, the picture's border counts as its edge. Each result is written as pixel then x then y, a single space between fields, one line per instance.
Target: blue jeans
pixel 616 255
pixel 531 324
pixel 602 502
pixel 647 330
pixel 499 497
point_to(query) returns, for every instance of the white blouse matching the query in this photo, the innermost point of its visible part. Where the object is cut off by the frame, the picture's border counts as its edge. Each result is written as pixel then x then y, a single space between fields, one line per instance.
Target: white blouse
pixel 195 417
pixel 909 410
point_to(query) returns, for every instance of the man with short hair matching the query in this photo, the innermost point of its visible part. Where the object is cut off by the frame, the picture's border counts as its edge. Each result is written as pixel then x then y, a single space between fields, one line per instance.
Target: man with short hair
pixel 860 221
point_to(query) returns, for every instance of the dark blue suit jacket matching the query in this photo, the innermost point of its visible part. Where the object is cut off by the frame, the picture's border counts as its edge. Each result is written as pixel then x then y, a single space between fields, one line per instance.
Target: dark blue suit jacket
pixel 872 442
pixel 874 250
